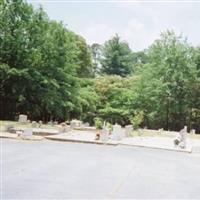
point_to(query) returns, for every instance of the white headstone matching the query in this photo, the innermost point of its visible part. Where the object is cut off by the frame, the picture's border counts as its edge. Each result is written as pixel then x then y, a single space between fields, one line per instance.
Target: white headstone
pixel 104 135
pixel 27 132
pixel 86 124
pixel 40 123
pixel 22 118
pixel 182 137
pixel 50 123
pixel 128 130
pixel 193 131
pixel 63 128
pixel 117 130
pixel 34 124
pixel 55 123
pixel 75 123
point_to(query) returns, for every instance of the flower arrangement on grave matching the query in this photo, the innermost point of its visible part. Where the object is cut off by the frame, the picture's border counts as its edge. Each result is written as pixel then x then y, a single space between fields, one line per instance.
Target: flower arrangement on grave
pixel 99 126
pixel 109 126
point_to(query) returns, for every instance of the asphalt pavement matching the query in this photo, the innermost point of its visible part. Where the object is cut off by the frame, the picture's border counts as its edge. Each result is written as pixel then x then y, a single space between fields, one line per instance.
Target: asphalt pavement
pixel 59 170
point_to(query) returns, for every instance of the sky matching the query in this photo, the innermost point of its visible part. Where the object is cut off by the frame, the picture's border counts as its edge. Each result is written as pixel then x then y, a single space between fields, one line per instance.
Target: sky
pixel 139 22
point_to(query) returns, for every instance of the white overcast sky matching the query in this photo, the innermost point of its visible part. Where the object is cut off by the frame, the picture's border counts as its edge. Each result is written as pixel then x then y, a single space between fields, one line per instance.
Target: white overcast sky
pixel 139 23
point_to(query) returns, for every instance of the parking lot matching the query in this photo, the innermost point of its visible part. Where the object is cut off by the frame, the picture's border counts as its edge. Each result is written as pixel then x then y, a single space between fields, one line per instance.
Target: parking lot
pixel 51 169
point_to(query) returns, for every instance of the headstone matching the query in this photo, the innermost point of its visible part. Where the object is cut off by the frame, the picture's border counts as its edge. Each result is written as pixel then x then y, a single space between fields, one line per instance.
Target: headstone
pixel 75 123
pixel 183 134
pixel 128 130
pixel 181 139
pixel 104 135
pixel 22 118
pixel 192 131
pixel 27 132
pixel 40 124
pixel 72 124
pixel 50 123
pixel 55 123
pixel 117 132
pixel 34 124
pixel 63 128
pixel 86 124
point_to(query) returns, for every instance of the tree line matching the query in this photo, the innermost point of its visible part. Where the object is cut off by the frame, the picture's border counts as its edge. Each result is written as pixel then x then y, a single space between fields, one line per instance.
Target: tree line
pixel 50 73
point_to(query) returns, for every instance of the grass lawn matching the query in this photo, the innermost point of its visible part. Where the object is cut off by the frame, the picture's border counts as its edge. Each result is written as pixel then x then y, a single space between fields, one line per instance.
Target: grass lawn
pixel 155 133
pixel 140 132
pixel 150 133
pixel 24 125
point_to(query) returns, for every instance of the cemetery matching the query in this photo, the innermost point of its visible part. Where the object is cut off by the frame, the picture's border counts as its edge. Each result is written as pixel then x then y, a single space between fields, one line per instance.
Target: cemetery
pixel 99 99
pixel 101 133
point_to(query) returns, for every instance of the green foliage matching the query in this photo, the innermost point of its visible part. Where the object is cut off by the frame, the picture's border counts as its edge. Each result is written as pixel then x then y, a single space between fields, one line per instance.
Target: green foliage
pixel 87 101
pixel 116 58
pixel 48 72
pixel 109 126
pixel 86 68
pixel 137 119
pixel 164 88
pixel 115 98
pixel 98 123
pixel 44 58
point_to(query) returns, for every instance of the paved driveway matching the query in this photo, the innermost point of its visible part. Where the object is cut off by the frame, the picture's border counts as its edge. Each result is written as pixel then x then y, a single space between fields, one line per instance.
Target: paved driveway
pixel 59 170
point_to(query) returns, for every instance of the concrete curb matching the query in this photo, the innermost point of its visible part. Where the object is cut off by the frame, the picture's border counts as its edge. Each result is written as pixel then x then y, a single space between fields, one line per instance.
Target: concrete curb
pixel 111 143
pixel 15 136
pixel 8 137
pixel 81 141
pixel 160 148
pixel 115 144
pixel 32 138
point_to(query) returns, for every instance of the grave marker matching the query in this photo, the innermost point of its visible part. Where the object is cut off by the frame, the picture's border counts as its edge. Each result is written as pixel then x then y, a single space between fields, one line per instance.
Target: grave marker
pixel 117 132
pixel 22 118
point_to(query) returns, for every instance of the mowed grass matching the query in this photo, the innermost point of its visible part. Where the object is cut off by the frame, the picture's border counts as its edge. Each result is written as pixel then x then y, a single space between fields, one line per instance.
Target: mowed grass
pixel 140 132
pixel 151 133
pixel 23 125
pixel 156 133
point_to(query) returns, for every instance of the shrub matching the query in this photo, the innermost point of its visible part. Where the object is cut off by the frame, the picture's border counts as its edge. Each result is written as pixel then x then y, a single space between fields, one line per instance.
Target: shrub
pixel 109 126
pixel 137 119
pixel 98 123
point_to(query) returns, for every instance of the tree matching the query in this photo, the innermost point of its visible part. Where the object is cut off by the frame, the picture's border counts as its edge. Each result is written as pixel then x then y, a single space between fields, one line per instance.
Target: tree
pixel 140 59
pixel 116 58
pixel 115 96
pixel 86 102
pixel 84 58
pixel 165 82
pixel 193 95
pixel 42 57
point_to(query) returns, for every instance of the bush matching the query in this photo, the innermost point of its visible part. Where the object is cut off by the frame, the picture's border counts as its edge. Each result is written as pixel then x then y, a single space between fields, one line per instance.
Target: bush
pixel 98 123
pixel 137 119
pixel 109 126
